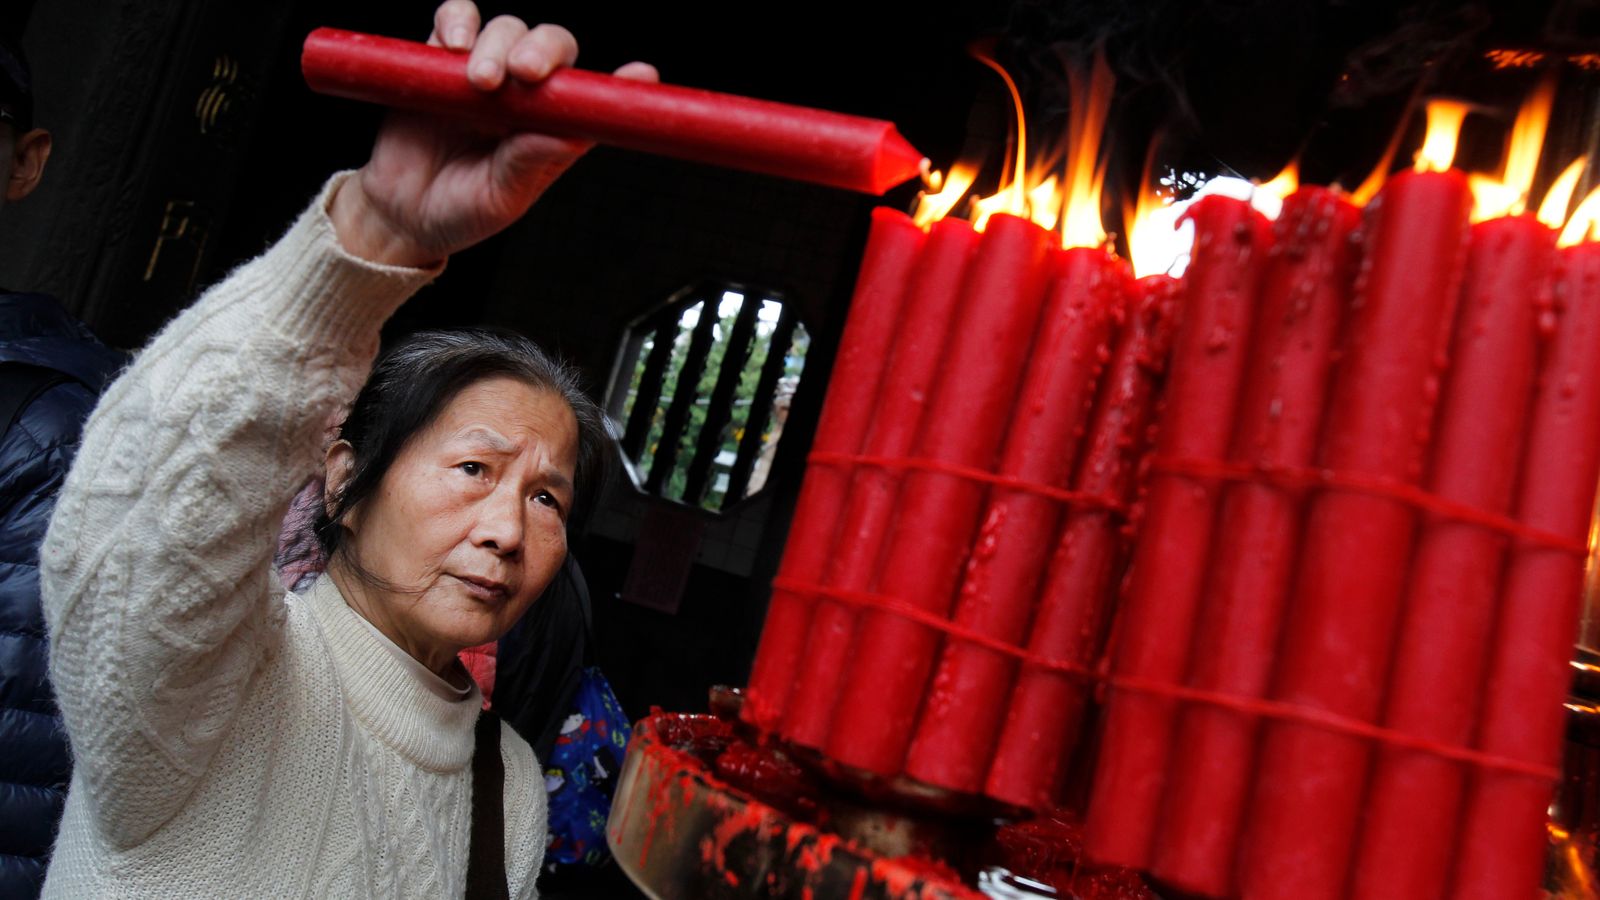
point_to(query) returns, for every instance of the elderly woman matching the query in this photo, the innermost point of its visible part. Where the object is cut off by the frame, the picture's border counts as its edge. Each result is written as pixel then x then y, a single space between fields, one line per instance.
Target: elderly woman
pixel 234 742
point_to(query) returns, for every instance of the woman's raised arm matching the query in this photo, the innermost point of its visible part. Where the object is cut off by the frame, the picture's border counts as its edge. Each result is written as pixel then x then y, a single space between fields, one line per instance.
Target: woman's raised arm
pixel 156 570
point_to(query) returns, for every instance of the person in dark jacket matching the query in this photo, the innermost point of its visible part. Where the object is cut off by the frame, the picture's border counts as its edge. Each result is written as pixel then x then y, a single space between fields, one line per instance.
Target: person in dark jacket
pixel 51 372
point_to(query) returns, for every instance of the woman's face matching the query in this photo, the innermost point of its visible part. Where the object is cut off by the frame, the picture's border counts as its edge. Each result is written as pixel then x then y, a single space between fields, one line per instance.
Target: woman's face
pixel 469 522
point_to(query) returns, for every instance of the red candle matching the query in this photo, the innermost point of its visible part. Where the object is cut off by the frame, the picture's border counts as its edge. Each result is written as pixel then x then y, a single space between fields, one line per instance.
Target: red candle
pixel 966 702
pixel 1157 617
pixel 973 399
pixel 1044 713
pixel 1357 547
pixel 1304 297
pixel 1503 837
pixel 893 249
pixel 914 362
pixel 701 126
pixel 1404 849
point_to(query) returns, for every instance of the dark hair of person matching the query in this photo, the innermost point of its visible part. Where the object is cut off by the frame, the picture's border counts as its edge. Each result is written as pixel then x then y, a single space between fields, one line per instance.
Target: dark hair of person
pixel 413 383
pixel 16 84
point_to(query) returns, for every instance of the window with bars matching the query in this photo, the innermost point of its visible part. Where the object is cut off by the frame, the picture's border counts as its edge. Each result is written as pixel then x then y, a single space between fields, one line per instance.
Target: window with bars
pixel 701 398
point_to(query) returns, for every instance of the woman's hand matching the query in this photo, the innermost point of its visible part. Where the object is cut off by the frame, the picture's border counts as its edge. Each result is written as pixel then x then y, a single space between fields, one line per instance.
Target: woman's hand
pixel 436 186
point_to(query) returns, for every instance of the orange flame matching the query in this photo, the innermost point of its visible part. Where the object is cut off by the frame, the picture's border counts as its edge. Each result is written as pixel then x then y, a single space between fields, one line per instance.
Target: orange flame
pixel 1014 190
pixel 1151 223
pixel 1086 171
pixel 1044 204
pixel 1514 59
pixel 932 207
pixel 1444 128
pixel 1068 202
pixel 1268 197
pixel 1553 211
pixel 1585 222
pixel 1507 195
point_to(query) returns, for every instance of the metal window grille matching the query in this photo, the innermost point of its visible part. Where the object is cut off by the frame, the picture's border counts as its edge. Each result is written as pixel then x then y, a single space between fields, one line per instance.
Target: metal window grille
pixel 701 389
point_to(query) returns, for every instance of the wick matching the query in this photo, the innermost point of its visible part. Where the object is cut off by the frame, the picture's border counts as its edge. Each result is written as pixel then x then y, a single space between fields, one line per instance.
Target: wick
pixel 931 180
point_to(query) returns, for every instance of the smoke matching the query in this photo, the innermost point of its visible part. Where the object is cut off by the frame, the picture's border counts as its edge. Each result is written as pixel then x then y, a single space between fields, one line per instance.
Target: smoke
pixel 1240 85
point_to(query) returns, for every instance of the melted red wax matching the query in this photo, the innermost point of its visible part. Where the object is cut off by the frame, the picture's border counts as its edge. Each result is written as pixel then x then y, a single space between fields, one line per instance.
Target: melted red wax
pixel 707 749
pixel 1050 849
pixel 763 772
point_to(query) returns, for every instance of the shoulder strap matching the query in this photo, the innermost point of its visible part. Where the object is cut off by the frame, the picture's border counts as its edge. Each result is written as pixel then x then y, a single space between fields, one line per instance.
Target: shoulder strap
pixel 20 385
pixel 486 848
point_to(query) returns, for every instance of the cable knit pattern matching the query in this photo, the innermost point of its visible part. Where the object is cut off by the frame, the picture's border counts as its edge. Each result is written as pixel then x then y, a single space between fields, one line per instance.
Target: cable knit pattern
pixel 231 741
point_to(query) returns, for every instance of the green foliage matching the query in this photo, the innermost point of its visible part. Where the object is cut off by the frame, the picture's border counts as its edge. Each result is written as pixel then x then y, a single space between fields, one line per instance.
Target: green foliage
pixel 744 395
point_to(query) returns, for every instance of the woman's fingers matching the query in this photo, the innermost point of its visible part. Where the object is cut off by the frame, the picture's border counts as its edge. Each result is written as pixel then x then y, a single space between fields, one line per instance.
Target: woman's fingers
pixel 487 67
pixel 638 71
pixel 542 51
pixel 455 25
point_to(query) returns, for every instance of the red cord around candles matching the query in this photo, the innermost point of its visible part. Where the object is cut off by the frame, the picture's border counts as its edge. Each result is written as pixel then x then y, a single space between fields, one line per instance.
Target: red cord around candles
pixel 1215 470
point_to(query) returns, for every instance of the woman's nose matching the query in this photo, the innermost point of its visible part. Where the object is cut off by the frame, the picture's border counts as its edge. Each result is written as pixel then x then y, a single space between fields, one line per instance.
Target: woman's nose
pixel 500 526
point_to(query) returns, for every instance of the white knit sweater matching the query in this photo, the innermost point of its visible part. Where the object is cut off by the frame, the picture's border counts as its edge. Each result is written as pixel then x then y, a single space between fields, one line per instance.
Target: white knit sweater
pixel 231 741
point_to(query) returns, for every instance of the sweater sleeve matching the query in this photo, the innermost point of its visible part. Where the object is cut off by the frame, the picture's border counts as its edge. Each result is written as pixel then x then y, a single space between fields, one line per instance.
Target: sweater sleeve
pixel 156 570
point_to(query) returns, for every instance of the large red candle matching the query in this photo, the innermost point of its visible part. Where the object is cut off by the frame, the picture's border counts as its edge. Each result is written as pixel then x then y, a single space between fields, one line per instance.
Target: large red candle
pixel 1503 837
pixel 1304 297
pixel 1405 849
pixel 973 399
pixel 1045 711
pixel 1357 546
pixel 893 249
pixel 1157 617
pixel 720 129
pixel 915 360
pixel 966 701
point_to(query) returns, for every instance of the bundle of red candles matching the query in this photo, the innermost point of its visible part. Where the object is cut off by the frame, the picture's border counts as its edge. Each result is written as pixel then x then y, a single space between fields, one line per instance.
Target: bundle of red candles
pixel 1338 660
pixel 1343 652
pixel 965 512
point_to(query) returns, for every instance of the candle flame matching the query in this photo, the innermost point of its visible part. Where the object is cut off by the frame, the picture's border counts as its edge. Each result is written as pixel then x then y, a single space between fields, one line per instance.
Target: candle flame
pixel 1380 173
pixel 1507 195
pixel 1152 222
pixel 1444 128
pixel 1044 204
pixel 1268 198
pixel 1014 188
pixel 1583 224
pixel 1002 201
pixel 1553 211
pixel 1067 201
pixel 1086 128
pixel 952 186
pixel 1514 59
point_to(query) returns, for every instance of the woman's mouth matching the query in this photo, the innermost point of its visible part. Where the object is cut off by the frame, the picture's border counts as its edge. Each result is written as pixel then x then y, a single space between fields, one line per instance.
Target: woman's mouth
pixel 485 589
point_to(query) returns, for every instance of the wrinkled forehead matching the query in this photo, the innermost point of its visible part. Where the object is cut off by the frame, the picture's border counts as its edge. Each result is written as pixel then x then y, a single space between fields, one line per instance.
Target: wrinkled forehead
pixel 508 416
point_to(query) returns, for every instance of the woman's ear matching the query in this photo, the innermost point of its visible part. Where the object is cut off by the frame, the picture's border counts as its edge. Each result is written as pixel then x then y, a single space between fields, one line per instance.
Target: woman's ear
pixel 336 466
pixel 31 151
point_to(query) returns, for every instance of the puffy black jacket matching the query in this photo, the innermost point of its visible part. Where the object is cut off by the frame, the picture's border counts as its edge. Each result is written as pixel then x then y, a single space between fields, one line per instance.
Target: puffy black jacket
pixel 35 454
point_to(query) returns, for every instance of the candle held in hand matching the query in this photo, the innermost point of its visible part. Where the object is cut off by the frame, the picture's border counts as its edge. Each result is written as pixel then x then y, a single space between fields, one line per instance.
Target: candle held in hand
pixel 834 149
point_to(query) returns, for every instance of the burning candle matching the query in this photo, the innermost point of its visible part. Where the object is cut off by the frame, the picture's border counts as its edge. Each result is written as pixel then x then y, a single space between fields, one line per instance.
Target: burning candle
pixel 889 661
pixel 1357 547
pixel 1503 837
pixel 1044 713
pixel 1157 616
pixel 893 249
pixel 1455 581
pixel 1304 297
pixel 701 126
pixel 914 362
pixel 966 701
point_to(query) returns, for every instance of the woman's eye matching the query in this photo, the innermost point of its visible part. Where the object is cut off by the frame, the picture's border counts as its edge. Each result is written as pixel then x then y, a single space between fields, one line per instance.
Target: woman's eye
pixel 471 468
pixel 548 499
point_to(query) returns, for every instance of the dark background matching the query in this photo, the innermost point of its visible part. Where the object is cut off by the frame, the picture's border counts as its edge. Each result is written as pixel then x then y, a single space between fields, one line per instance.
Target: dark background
pixel 186 142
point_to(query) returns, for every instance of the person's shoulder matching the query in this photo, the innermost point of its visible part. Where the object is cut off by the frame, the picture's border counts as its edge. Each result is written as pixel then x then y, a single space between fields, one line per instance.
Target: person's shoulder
pixel 515 750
